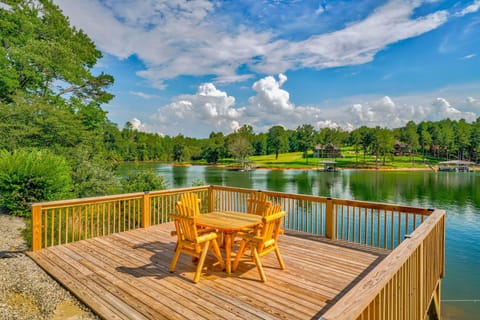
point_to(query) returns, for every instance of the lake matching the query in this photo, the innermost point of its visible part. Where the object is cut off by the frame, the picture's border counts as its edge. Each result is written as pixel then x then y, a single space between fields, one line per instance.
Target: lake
pixel 457 193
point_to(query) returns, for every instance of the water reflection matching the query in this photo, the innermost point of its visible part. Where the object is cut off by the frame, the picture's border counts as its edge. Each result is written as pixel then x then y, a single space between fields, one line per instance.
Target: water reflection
pixel 276 180
pixel 179 176
pixel 213 176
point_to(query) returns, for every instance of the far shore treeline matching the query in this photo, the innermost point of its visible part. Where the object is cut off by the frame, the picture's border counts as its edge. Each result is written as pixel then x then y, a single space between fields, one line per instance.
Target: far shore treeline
pixel 57 142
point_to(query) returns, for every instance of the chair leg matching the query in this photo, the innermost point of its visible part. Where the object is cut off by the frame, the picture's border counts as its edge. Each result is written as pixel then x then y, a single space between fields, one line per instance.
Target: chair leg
pixel 256 258
pixel 240 252
pixel 217 253
pixel 173 264
pixel 279 258
pixel 196 278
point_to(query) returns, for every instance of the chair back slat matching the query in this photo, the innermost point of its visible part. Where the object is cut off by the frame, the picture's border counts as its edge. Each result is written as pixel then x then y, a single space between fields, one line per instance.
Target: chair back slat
pixel 258 203
pixel 185 222
pixel 272 210
pixel 191 200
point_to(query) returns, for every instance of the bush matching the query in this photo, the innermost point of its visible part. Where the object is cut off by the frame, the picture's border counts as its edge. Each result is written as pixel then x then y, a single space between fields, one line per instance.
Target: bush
pixel 28 176
pixel 137 181
pixel 92 176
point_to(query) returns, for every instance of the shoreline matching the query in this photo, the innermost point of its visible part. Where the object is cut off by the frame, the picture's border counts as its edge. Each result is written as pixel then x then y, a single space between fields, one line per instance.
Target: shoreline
pixel 306 168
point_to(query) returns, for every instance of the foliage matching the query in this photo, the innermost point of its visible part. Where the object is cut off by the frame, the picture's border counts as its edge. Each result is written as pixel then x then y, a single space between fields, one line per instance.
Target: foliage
pixel 277 140
pixel 28 176
pixel 138 181
pixel 45 57
pixel 214 149
pixel 305 138
pixel 91 175
pixel 198 183
pixel 240 147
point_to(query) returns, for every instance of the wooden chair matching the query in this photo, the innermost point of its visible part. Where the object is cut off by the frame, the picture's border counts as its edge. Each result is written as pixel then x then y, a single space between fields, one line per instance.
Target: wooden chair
pixel 189 241
pixel 263 243
pixel 191 200
pixel 258 203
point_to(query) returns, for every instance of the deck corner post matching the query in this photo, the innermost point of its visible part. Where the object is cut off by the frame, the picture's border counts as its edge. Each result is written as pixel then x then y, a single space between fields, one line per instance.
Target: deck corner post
pixel 329 221
pixel 146 209
pixel 36 227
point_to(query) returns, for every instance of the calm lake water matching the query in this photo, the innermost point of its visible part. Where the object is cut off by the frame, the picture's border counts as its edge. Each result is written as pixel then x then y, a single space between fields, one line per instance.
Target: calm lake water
pixel 457 193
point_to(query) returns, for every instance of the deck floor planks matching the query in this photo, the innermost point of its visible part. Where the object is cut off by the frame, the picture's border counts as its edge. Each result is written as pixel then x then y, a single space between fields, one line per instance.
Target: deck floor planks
pixel 186 261
pixel 141 295
pixel 318 273
pixel 159 289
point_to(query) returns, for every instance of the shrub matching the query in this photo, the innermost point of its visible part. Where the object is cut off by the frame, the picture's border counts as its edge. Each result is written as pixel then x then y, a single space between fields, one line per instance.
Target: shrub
pixel 137 181
pixel 91 175
pixel 28 176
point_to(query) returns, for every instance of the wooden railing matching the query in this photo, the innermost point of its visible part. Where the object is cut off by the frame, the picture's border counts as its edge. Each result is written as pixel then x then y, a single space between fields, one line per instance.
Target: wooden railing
pixel 405 284
pixel 402 286
pixel 60 222
pixel 372 224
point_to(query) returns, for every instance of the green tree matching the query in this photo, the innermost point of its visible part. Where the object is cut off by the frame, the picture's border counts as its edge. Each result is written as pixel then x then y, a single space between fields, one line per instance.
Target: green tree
pixel 305 138
pixel 446 137
pixel 367 137
pixel 383 143
pixel 410 137
pixel 259 144
pixel 139 181
pixel 475 139
pixel 356 140
pixel 43 56
pixel 214 150
pixel 462 137
pixel 179 148
pixel 240 148
pixel 277 140
pixel 425 138
pixel 28 176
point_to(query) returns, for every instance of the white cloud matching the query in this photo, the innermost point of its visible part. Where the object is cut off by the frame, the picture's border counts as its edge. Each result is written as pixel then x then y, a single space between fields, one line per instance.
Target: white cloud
pixel 385 112
pixel 143 95
pixel 270 97
pixel 357 43
pixel 469 56
pixel 180 37
pixel 137 124
pixel 208 110
pixel 442 109
pixel 211 109
pixel 474 7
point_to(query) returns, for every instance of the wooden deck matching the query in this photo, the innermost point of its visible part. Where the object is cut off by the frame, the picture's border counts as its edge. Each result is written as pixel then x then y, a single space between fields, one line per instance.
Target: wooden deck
pixel 125 276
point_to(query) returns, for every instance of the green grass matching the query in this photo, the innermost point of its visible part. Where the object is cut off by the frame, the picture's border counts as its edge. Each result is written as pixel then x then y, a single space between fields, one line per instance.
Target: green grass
pixel 295 160
pixel 349 160
pixel 285 161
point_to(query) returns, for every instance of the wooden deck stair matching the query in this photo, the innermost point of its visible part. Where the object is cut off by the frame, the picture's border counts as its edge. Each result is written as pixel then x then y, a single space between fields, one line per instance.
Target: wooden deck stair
pixel 125 276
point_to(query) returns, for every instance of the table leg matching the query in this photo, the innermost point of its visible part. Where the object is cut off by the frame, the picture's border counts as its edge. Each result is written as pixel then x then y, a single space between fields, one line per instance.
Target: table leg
pixel 228 252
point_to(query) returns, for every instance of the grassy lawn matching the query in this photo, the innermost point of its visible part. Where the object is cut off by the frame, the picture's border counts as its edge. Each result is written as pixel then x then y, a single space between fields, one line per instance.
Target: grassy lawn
pixel 349 160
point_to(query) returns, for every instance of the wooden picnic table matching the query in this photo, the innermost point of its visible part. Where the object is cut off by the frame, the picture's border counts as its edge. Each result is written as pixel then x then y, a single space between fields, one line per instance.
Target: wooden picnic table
pixel 229 223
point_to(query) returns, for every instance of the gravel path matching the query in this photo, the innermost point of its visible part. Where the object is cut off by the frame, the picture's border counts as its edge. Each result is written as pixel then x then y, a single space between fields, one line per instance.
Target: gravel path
pixel 26 291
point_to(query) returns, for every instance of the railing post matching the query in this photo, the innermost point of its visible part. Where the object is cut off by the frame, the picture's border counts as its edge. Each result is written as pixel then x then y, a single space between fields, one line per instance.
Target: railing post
pixel 329 221
pixel 36 227
pixel 421 282
pixel 146 209
pixel 211 199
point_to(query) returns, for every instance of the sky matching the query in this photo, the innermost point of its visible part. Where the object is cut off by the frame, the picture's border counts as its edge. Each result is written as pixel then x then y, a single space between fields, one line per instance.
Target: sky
pixel 193 67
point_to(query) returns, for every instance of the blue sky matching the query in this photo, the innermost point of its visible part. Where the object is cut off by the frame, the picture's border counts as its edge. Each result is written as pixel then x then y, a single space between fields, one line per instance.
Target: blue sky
pixel 193 67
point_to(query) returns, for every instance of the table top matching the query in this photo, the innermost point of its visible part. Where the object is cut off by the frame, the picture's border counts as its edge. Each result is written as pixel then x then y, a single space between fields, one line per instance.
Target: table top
pixel 228 221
